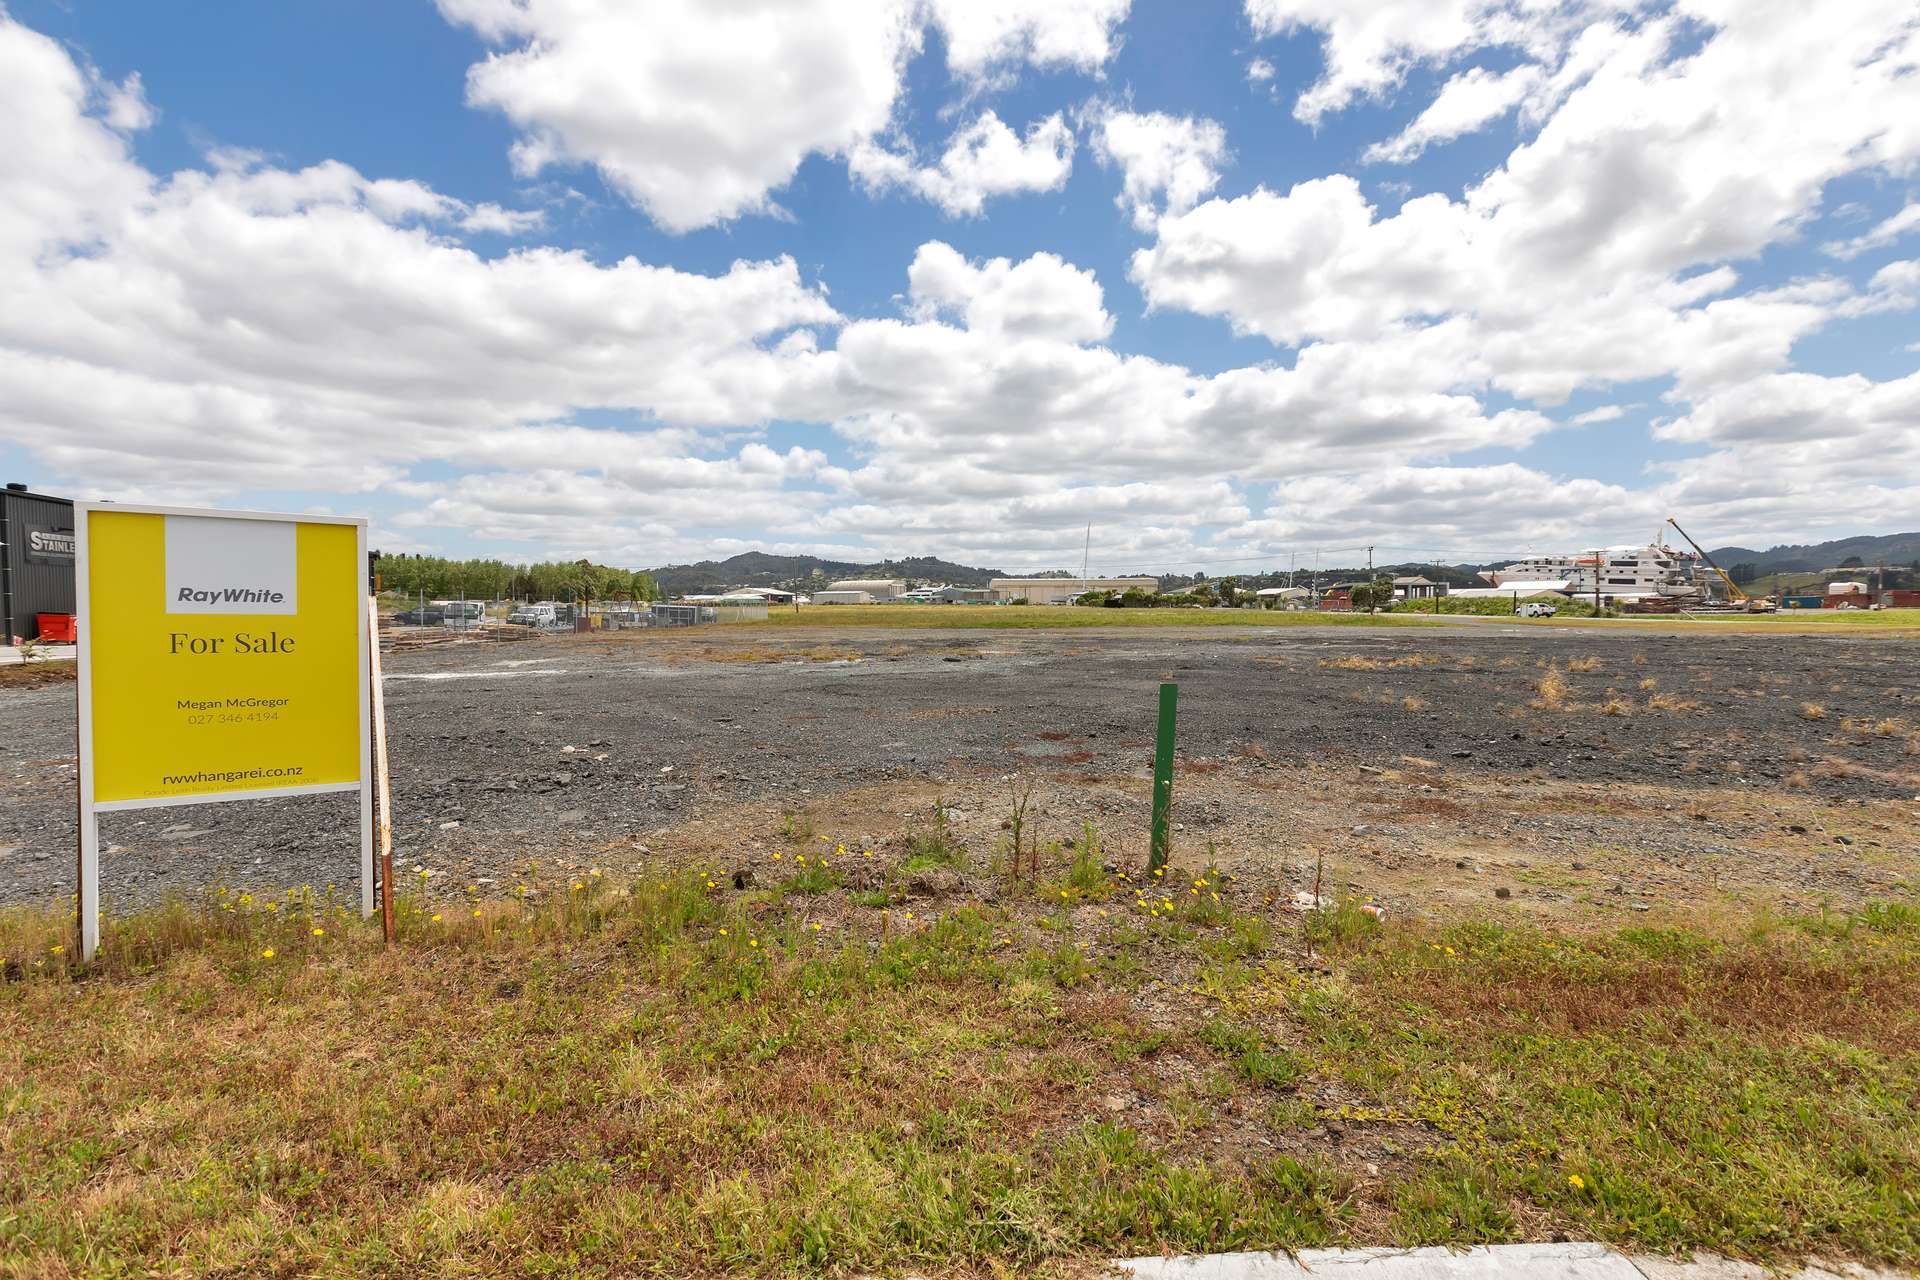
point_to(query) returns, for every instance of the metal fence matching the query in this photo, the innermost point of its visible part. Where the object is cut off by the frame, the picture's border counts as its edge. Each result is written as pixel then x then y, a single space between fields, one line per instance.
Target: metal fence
pixel 694 615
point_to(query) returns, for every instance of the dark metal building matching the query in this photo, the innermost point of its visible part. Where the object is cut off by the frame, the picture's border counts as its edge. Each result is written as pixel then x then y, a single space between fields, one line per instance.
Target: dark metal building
pixel 36 561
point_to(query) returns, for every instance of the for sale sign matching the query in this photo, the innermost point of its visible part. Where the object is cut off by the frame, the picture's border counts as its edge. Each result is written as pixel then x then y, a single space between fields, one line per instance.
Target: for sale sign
pixel 223 656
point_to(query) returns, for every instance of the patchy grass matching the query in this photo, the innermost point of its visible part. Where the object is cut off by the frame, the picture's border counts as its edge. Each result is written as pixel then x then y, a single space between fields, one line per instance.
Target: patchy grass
pixel 674 1076
pixel 33 675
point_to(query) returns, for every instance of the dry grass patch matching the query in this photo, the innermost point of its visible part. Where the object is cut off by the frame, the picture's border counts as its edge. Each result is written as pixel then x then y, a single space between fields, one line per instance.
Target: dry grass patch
pixel 34 675
pixel 1551 691
pixel 1669 702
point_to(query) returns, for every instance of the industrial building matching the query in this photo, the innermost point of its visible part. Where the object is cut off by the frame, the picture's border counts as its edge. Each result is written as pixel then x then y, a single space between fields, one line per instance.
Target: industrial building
pixel 1061 590
pixel 948 595
pixel 1417 587
pixel 877 589
pixel 37 598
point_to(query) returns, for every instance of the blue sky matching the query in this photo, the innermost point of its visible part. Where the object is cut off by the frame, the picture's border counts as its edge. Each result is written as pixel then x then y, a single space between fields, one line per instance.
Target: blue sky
pixel 1313 347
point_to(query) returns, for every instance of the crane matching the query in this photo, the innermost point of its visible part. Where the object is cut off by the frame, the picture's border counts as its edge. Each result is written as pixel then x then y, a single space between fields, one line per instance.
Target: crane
pixel 1734 594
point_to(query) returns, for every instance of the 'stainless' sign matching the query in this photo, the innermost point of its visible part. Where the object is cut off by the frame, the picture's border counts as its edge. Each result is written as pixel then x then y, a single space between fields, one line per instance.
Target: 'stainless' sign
pixel 223 656
pixel 50 546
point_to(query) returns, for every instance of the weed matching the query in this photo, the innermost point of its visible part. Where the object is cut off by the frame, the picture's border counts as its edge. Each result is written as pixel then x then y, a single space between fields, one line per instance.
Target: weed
pixel 1411 703
pixel 1252 1058
pixel 1343 925
pixel 934 846
pixel 1583 665
pixel 1088 872
pixel 1812 711
pixel 811 882
pixel 1551 691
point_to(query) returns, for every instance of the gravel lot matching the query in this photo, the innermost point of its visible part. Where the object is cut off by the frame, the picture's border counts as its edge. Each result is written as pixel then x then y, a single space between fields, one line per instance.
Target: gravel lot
pixel 586 748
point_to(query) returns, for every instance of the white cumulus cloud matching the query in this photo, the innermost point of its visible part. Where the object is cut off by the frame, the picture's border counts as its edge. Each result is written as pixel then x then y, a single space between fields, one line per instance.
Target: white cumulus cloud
pixel 983 159
pixel 1177 158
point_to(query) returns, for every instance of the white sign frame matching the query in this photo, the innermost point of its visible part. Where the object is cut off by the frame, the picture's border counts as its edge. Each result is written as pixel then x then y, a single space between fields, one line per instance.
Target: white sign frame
pixel 90 809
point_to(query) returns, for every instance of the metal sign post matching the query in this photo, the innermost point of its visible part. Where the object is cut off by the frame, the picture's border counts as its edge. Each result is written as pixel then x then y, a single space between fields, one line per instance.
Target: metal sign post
pixel 1161 836
pixel 223 655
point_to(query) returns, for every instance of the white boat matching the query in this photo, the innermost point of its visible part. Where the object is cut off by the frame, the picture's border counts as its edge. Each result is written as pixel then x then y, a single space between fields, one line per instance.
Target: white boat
pixel 1619 573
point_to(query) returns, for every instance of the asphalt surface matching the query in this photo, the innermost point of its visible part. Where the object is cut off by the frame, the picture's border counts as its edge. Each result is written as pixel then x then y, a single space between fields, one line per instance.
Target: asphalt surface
pixel 503 752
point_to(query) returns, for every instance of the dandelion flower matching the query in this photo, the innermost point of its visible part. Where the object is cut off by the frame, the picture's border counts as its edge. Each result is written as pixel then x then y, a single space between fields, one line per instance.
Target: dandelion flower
pixel 267 954
pixel 867 854
pixel 824 840
pixel 839 848
pixel 476 913
pixel 723 933
pixel 424 873
pixel 273 906
pixel 817 926
pixel 56 948
pixel 1103 913
pixel 753 942
pixel 436 918
pixel 1450 951
pixel 909 915
pixel 318 932
pixel 776 857
pixel 1577 1182
pixel 577 886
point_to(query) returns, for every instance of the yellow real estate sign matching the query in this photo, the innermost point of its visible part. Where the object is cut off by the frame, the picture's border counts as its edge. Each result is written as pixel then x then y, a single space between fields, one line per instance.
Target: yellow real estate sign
pixel 222 655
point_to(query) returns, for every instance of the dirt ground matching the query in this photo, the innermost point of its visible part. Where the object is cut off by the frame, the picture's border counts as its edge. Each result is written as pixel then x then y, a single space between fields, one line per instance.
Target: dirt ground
pixel 1572 774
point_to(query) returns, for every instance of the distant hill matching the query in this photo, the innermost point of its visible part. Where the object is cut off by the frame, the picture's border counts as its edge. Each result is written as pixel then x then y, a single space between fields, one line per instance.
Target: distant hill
pixel 758 569
pixel 1890 549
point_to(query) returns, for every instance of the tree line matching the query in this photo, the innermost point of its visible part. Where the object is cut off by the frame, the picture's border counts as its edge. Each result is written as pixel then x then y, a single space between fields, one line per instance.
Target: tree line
pixel 439 578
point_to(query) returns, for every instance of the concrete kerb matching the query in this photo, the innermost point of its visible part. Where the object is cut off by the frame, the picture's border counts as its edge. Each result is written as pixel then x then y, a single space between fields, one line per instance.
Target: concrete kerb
pixel 1487 1262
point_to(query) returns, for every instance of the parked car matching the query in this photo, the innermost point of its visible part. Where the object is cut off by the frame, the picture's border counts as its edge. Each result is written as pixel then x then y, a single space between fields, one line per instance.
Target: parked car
pixel 421 618
pixel 532 615
pixel 1536 609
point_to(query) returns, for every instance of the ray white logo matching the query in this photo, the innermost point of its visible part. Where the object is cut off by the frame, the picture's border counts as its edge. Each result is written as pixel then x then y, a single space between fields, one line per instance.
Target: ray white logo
pixel 231 566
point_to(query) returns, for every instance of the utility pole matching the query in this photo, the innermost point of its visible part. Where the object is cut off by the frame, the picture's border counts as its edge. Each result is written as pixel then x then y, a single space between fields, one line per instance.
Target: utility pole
pixel 1086 554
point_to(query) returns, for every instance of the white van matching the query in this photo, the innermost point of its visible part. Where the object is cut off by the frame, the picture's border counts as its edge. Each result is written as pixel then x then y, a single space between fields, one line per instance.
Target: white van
pixel 462 613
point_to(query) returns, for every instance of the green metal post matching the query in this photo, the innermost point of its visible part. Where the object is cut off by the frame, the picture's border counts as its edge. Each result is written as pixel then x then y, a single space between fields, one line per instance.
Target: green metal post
pixel 1163 778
